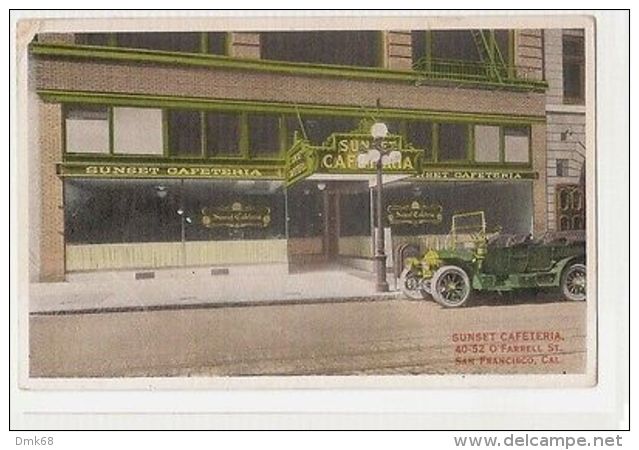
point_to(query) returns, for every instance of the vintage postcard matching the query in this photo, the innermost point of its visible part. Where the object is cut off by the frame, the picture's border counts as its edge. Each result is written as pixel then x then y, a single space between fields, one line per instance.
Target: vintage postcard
pixel 298 201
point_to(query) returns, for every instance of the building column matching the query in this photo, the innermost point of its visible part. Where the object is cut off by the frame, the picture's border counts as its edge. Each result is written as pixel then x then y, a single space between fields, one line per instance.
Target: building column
pixel 52 266
pixel 398 50
pixel 539 157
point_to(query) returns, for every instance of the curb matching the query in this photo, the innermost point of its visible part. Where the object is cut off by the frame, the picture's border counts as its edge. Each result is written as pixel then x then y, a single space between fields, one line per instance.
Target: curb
pixel 217 305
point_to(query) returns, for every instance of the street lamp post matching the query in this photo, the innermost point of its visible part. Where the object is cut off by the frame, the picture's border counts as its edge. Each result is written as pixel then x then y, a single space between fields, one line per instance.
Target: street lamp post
pixel 379 156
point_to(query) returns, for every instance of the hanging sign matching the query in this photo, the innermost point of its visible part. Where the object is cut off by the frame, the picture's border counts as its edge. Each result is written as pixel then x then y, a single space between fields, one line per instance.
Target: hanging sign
pixel 300 162
pixel 236 215
pixel 341 155
pixel 414 213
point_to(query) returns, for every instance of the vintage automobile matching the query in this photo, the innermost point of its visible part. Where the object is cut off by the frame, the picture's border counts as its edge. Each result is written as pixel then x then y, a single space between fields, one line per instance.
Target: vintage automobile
pixel 473 260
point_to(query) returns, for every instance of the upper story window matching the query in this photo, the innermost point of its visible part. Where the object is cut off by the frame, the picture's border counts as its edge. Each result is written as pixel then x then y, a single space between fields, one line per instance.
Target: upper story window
pixel 351 48
pixel 87 129
pixel 172 42
pixel 264 137
pixel 574 69
pixel 455 44
pixel 211 42
pixel 453 142
pixel 185 133
pixel 137 131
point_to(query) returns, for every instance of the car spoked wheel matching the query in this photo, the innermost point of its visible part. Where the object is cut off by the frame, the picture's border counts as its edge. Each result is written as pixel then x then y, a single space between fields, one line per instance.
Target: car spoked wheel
pixel 573 283
pixel 411 285
pixel 450 287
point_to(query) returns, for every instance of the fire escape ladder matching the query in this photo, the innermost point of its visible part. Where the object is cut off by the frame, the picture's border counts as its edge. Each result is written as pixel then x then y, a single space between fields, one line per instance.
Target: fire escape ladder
pixel 489 54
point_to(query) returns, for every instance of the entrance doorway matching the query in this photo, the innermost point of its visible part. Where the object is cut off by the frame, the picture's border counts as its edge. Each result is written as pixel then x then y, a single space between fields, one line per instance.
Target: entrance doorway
pixel 328 223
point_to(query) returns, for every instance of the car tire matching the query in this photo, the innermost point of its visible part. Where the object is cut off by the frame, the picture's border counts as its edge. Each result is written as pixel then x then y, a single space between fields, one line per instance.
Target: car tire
pixel 451 287
pixel 573 283
pixel 409 285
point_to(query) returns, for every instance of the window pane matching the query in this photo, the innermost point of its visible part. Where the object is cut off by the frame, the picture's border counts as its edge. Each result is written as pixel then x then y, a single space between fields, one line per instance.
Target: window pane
pixel 234 210
pixel 217 43
pixel 174 42
pixel 418 41
pixel 117 211
pixel 318 129
pixel 354 48
pixel 185 133
pixel 263 135
pixel 573 68
pixel 516 144
pixel 420 135
pixel 486 143
pixel 501 37
pixel 223 134
pixel 455 44
pixel 452 142
pixel 573 86
pixel 137 131
pixel 87 129
pixel 92 38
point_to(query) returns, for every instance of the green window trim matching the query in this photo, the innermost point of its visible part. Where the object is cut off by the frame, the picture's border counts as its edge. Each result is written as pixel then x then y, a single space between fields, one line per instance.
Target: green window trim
pixel 244 147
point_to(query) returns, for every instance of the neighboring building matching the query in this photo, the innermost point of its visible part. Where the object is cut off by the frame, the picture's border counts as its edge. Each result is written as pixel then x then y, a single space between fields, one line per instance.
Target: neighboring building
pixel 157 150
pixel 566 114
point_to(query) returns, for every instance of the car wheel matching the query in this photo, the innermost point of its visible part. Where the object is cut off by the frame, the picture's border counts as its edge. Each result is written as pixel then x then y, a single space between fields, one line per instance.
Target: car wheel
pixel 573 283
pixel 411 285
pixel 451 287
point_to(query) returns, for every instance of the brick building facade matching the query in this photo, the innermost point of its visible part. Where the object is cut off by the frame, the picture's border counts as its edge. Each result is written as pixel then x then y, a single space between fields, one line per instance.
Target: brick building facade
pixel 478 108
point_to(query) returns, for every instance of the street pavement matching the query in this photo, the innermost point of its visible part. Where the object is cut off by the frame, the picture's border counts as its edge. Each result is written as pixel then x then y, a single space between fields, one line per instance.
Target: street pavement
pixel 381 336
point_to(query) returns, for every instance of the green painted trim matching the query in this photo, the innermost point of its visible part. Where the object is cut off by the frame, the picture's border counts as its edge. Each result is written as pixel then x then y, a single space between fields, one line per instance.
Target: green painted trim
pixel 155 101
pixel 226 62
pixel 244 136
pixel 435 142
pixel 165 133
pixel 111 131
pixel 471 143
pixel 204 42
pixel 204 135
pixel 502 146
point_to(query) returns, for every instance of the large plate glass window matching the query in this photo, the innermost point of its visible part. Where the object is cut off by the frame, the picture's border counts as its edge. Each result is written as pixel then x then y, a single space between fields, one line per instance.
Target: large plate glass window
pixel 185 133
pixel 517 144
pixel 137 131
pixel 87 129
pixel 318 129
pixel 487 143
pixel 453 141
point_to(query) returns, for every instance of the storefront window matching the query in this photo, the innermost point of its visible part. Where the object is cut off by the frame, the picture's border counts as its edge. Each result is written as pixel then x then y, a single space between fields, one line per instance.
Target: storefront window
pixel 173 42
pixel 420 135
pixel 234 210
pixel 118 211
pixel 185 133
pixel 516 144
pixel 506 205
pixel 453 139
pixel 137 131
pixel 87 129
pixel 222 134
pixel 352 48
pixel 487 143
pixel 264 135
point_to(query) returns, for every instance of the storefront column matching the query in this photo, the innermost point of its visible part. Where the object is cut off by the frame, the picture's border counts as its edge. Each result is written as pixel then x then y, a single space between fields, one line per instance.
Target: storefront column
pixel 539 157
pixel 51 195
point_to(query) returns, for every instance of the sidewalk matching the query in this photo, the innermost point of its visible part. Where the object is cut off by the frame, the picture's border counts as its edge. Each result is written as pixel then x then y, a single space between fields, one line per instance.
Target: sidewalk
pixel 192 289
